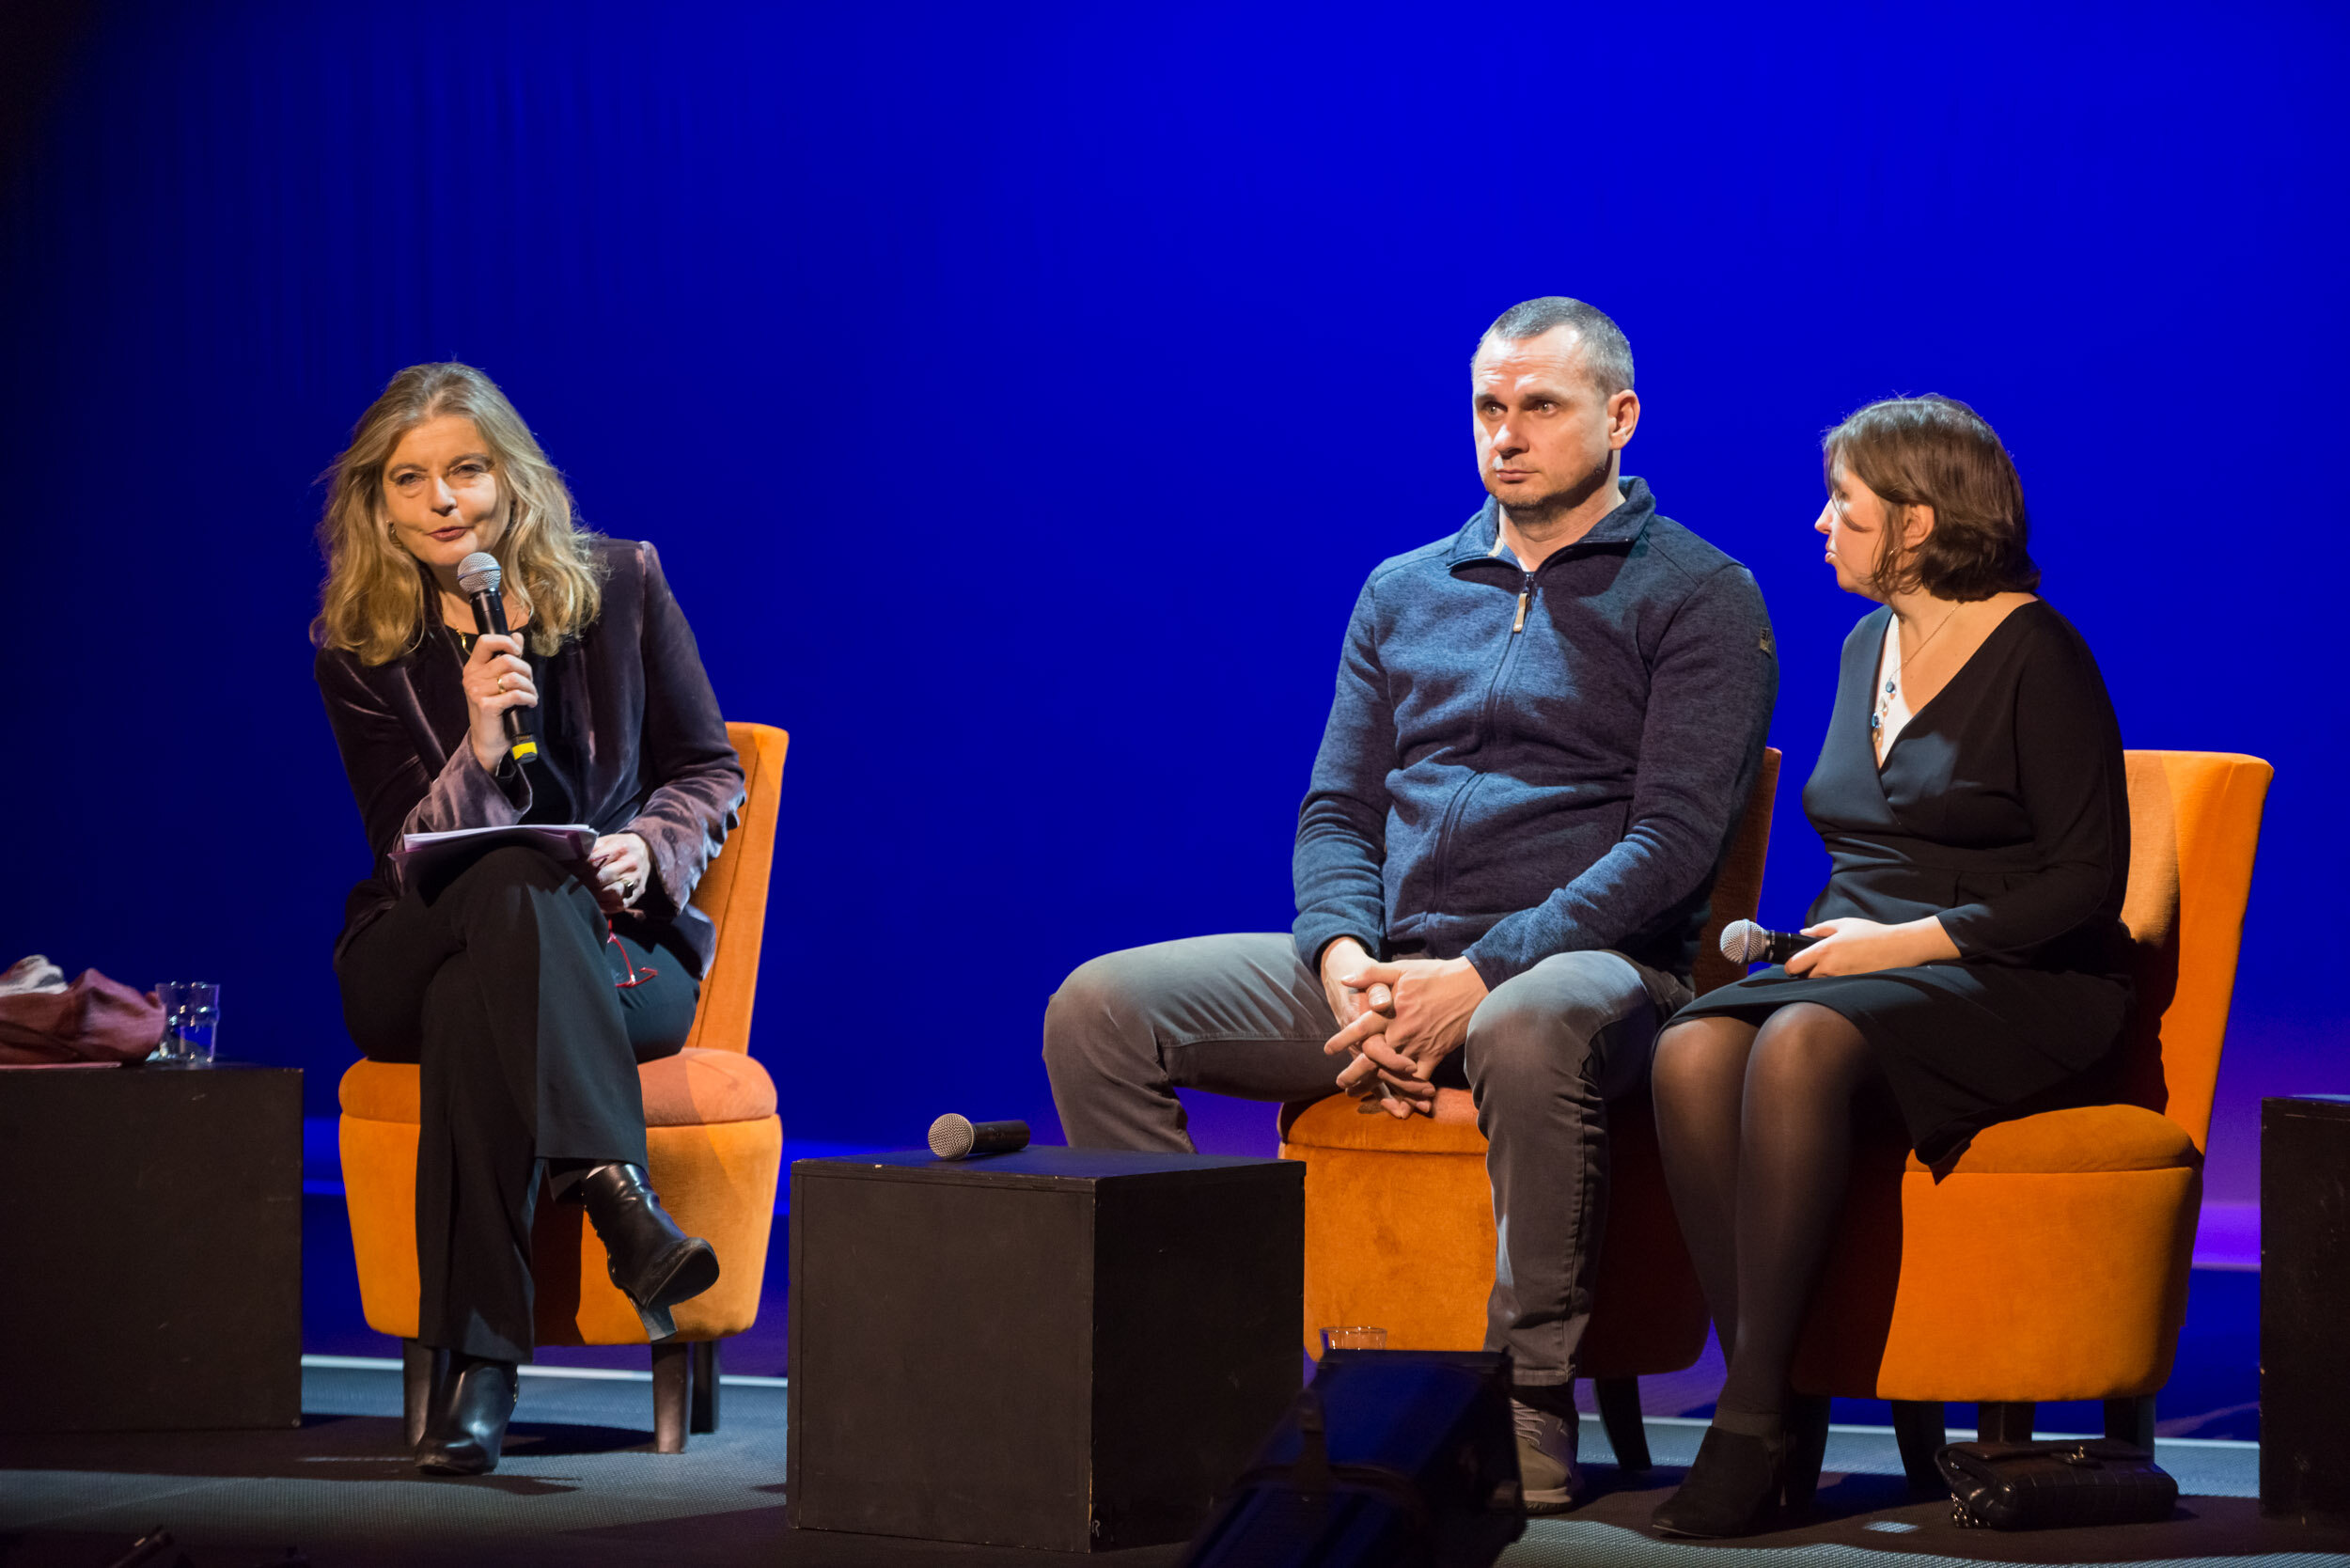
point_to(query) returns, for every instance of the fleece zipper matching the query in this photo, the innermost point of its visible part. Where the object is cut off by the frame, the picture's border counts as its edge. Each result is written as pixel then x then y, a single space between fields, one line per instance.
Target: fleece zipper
pixel 1457 806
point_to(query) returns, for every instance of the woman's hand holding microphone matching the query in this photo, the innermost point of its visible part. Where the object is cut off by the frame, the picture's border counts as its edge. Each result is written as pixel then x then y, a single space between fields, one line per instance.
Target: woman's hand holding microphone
pixel 497 678
pixel 1849 946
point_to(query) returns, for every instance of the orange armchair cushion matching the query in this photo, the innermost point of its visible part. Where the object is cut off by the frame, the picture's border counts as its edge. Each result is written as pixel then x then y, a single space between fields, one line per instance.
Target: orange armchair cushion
pixel 2089 1138
pixel 695 1087
pixel 1340 1123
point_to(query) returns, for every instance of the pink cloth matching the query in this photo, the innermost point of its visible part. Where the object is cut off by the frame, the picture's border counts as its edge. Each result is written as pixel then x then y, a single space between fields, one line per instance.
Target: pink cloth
pixel 94 1020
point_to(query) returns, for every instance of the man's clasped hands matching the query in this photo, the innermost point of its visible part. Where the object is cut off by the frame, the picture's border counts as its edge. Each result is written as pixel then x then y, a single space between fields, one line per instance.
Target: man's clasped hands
pixel 1398 1020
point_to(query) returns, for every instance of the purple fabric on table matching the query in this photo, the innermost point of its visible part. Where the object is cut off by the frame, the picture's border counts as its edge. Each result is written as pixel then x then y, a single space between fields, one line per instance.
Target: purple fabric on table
pixel 93 1022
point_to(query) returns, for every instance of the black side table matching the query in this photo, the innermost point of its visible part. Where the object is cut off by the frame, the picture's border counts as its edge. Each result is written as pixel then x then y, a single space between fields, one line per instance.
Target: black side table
pixel 151 1236
pixel 1060 1348
pixel 2305 1307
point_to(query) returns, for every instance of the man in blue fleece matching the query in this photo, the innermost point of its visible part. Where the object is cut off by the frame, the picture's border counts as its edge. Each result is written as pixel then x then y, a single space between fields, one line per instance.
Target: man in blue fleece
pixel 1545 728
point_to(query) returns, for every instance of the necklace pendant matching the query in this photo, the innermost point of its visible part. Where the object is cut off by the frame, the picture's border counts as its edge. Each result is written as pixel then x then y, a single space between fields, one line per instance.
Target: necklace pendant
pixel 1876 721
pixel 1888 688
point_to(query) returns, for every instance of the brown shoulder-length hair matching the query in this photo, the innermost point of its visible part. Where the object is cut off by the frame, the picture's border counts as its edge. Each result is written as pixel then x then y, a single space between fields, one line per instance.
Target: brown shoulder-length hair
pixel 1937 452
pixel 378 600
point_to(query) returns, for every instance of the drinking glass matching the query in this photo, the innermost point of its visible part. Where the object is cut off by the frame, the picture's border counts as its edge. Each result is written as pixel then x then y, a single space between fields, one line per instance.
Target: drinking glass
pixel 190 1023
pixel 1354 1338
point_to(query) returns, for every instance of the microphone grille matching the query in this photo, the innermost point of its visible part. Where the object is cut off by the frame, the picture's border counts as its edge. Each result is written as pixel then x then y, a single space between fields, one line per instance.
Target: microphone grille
pixel 951 1137
pixel 1743 941
pixel 478 572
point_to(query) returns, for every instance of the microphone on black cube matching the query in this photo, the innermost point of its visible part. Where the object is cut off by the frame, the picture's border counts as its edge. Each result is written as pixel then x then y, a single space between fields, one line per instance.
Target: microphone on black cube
pixel 480 575
pixel 1745 942
pixel 957 1138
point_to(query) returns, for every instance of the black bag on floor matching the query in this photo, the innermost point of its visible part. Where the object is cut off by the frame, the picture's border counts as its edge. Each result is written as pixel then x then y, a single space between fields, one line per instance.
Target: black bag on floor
pixel 2048 1485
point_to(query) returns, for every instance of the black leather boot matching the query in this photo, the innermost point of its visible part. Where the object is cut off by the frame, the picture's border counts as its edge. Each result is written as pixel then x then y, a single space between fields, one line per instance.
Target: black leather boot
pixel 1738 1486
pixel 655 1264
pixel 468 1424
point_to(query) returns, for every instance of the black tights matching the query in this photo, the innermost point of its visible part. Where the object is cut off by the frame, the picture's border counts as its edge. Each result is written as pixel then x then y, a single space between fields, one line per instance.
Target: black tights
pixel 1756 1129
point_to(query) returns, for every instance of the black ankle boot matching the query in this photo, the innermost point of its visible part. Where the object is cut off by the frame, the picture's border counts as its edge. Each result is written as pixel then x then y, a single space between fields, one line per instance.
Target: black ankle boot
pixel 468 1423
pixel 655 1264
pixel 1736 1487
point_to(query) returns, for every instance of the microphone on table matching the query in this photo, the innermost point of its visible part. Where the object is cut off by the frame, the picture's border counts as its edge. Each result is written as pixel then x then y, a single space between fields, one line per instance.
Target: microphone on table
pixel 1744 942
pixel 478 574
pixel 956 1137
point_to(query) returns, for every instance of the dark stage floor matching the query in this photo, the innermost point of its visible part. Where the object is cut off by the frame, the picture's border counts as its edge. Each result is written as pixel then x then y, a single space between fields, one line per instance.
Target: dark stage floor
pixel 582 1487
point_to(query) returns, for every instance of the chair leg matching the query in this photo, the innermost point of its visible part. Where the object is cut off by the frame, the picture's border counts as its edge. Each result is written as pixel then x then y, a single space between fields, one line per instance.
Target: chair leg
pixel 1919 1428
pixel 705 1418
pixel 2005 1422
pixel 420 1369
pixel 672 1391
pixel 1620 1414
pixel 2132 1420
pixel 1808 1417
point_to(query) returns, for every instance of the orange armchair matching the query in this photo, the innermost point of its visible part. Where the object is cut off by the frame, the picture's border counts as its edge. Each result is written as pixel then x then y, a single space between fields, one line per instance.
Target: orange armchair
pixel 714 1141
pixel 1400 1223
pixel 2052 1263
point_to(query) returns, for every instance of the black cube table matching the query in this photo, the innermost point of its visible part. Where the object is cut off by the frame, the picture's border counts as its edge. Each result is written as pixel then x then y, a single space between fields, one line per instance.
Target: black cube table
pixel 151 1242
pixel 2305 1307
pixel 1062 1348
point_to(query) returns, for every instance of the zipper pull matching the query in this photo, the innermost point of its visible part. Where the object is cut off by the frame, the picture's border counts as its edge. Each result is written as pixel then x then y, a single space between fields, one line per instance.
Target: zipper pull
pixel 1526 597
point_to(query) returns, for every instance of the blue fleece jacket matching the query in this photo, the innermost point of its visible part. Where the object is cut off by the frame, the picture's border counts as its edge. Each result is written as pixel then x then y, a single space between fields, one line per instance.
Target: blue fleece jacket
pixel 1521 764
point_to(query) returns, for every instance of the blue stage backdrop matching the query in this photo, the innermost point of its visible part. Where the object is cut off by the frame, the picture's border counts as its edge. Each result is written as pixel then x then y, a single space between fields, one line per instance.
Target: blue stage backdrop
pixel 1019 395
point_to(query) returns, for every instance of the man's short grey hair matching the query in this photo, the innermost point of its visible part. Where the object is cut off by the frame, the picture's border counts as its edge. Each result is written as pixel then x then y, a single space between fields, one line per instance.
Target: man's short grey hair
pixel 1605 355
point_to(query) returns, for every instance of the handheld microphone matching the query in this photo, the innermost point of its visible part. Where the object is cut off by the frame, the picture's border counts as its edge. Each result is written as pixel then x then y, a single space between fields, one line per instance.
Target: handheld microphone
pixel 1744 942
pixel 478 574
pixel 956 1137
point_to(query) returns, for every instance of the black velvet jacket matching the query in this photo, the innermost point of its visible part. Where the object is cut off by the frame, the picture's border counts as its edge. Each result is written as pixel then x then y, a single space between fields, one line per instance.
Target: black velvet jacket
pixel 628 723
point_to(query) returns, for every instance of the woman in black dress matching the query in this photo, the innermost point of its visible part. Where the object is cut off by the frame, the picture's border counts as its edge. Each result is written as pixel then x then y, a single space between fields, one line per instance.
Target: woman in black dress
pixel 528 989
pixel 1971 963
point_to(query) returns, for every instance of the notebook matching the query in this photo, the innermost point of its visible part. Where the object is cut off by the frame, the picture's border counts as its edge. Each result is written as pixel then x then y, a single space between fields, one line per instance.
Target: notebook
pixel 423 856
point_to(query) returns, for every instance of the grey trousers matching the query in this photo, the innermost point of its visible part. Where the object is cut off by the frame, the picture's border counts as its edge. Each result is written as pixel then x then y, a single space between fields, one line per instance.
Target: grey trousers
pixel 1242 1016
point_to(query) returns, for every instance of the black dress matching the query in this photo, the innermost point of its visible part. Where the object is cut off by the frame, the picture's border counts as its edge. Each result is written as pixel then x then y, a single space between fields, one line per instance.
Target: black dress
pixel 2001 809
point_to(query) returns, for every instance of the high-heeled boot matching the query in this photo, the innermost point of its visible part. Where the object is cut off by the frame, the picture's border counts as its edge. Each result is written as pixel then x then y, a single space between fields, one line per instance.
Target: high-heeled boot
pixel 1738 1486
pixel 655 1264
pixel 466 1426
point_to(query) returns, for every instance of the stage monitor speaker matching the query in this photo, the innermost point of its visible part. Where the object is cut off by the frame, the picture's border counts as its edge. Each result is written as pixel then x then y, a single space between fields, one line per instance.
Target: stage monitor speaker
pixel 1389 1459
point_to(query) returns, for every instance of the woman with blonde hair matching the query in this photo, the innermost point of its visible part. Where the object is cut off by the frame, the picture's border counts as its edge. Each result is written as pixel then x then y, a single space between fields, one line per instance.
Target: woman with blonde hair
pixel 526 989
pixel 1969 963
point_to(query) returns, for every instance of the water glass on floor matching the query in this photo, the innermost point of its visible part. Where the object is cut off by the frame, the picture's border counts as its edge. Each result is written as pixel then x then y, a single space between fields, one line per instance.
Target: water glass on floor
pixel 190 1023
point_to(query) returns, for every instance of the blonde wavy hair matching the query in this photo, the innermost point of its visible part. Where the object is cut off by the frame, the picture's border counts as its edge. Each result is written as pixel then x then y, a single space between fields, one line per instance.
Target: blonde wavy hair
pixel 378 600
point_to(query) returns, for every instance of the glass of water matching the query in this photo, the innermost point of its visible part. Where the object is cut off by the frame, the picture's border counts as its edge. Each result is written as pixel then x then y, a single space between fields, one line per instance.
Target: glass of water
pixel 190 1023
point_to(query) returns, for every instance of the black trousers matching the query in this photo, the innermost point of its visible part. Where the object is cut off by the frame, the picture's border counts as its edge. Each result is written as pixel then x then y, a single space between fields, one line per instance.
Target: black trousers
pixel 499 985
